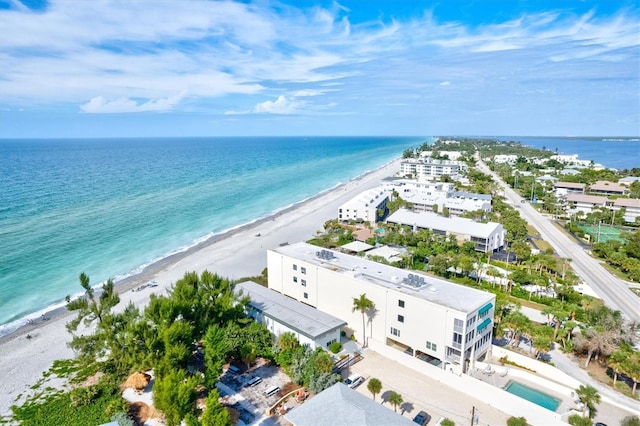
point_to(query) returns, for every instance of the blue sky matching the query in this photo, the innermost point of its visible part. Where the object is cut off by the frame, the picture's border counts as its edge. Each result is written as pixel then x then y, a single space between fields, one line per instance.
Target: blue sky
pixel 203 68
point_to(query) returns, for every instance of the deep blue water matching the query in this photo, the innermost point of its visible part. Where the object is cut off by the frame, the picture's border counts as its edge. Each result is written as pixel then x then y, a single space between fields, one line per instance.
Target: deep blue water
pixel 613 153
pixel 109 206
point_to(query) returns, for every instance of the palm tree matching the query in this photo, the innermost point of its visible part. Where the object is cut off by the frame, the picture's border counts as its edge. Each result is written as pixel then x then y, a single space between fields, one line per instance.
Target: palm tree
pixel 362 304
pixel 374 386
pixel 589 397
pixel 395 399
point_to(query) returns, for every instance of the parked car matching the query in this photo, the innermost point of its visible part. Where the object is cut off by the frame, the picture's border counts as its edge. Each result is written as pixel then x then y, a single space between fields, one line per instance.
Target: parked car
pixel 353 381
pixel 422 418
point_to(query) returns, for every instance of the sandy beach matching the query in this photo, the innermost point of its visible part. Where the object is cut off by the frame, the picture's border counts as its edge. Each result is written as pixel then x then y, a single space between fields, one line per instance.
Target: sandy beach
pixel 236 254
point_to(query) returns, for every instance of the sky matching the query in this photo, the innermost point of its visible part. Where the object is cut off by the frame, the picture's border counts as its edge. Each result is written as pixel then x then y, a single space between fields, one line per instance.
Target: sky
pixel 117 68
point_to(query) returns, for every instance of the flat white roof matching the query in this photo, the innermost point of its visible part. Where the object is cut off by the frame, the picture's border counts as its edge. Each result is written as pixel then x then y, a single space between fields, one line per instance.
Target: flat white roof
pixel 357 246
pixel 456 225
pixel 428 287
pixel 296 315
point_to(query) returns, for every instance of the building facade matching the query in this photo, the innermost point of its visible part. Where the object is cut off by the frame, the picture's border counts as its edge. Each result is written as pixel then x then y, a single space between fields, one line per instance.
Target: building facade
pixel 427 168
pixel 281 314
pixel 487 237
pixel 365 206
pixel 429 318
pixel 562 189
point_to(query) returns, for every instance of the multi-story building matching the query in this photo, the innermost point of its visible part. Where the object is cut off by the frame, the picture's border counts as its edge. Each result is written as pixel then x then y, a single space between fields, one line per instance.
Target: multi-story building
pixel 585 203
pixel 603 187
pixel 562 189
pixel 631 208
pixel 427 168
pixel 487 237
pixel 426 317
pixel 366 206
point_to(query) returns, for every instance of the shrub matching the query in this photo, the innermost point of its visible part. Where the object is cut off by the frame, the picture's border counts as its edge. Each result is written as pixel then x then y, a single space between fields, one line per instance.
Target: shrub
pixel 335 347
pixel 82 396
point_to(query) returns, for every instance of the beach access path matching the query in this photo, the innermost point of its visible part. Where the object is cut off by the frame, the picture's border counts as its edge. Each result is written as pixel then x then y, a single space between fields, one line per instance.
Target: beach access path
pixel 239 253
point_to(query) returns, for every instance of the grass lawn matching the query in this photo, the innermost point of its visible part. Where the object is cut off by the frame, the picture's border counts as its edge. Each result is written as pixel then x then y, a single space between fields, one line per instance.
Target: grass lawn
pixel 543 245
pixel 532 231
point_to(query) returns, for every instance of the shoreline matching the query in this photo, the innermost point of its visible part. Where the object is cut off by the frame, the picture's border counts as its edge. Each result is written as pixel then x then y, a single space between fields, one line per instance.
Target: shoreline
pixel 132 280
pixel 237 253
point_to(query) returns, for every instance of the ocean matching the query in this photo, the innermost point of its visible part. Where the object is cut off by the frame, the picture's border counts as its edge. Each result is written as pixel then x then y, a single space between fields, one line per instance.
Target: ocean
pixel 109 207
pixel 611 152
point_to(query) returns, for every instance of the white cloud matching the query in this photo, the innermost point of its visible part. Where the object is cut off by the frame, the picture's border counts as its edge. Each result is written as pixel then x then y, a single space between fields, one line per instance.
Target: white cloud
pixel 282 105
pixel 445 83
pixel 100 105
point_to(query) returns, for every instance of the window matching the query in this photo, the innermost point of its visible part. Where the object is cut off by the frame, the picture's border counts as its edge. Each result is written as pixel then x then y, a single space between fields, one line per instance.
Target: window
pixel 295 279
pixel 471 321
pixel 401 303
pixel 457 340
pixel 428 345
pixel 395 332
pixel 306 295
pixel 303 270
pixel 303 282
pixel 295 267
pixel 400 318
pixel 434 347
pixel 458 324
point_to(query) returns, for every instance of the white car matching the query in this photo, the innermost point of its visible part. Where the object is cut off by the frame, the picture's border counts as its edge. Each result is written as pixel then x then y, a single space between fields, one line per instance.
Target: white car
pixel 354 380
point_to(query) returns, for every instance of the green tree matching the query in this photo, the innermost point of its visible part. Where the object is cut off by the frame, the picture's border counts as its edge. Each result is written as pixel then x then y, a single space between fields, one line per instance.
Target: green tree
pixel 589 397
pixel 248 354
pixel 447 422
pixel 175 395
pixel 375 386
pixel 517 421
pixel 578 420
pixel 215 354
pixel 362 304
pixel 395 399
pixel 630 421
pixel 215 414
pixel 92 310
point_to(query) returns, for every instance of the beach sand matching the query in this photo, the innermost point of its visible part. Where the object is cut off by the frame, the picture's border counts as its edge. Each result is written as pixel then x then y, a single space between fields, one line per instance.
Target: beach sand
pixel 236 254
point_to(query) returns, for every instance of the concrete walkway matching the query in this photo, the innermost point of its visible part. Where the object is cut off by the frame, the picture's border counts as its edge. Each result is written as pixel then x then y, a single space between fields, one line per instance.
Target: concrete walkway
pixel 606 412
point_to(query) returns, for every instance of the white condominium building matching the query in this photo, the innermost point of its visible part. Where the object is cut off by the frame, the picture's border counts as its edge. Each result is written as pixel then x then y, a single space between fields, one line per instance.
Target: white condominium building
pixel 426 317
pixel 487 237
pixel 429 168
pixel 365 206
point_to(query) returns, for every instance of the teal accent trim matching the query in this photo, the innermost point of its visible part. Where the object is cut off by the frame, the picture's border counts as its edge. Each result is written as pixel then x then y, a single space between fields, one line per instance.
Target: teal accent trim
pixel 484 324
pixel 485 309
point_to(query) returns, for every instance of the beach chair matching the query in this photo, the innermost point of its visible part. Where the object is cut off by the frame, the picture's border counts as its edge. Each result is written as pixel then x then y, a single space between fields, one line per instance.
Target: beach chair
pixel 504 372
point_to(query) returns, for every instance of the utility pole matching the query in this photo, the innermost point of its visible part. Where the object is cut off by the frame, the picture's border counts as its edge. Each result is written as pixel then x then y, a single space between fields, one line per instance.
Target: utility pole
pixel 473 416
pixel 533 185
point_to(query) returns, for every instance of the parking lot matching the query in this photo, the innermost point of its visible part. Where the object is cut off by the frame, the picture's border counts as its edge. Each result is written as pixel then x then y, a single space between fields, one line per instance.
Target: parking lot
pixel 421 393
pixel 247 389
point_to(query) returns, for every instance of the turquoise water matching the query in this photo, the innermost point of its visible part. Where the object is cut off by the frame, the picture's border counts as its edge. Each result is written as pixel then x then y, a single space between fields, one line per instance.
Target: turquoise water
pixel 532 395
pixel 108 207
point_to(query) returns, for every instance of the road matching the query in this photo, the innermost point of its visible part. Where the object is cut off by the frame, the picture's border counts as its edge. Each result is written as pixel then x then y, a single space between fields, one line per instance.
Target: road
pixel 613 291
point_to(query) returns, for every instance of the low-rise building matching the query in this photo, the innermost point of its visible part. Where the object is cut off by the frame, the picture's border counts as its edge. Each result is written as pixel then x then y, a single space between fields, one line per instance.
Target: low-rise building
pixel 365 207
pixel 603 187
pixel 505 158
pixel 628 180
pixel 430 318
pixel 584 203
pixel 487 237
pixel 631 208
pixel 281 314
pixel 562 189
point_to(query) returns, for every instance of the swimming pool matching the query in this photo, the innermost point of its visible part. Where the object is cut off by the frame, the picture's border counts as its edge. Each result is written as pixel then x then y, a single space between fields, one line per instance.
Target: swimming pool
pixel 532 395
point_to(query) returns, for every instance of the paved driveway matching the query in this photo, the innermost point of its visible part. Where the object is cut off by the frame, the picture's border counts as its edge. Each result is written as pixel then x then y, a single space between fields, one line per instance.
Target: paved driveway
pixel 422 393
